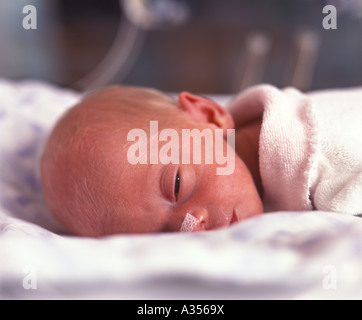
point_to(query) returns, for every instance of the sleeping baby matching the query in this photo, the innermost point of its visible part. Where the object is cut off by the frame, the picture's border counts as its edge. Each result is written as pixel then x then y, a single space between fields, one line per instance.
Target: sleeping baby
pixel 135 160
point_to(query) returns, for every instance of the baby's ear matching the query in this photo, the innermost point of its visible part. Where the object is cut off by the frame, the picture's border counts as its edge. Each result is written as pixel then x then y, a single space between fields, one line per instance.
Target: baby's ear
pixel 204 110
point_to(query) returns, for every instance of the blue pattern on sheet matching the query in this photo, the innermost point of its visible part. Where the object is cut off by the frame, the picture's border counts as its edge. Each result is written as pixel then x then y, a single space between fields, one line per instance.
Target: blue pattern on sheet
pixel 278 255
pixel 27 112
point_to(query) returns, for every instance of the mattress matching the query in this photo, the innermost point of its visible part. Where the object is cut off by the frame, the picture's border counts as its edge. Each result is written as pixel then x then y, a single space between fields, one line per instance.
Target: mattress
pixel 279 255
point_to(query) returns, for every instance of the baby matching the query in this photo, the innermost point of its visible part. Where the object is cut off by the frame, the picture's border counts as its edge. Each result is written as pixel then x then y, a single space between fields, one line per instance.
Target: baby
pixel 92 189
pixel 292 151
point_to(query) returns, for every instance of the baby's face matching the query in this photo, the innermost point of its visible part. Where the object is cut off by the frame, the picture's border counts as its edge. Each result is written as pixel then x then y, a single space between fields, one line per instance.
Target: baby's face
pixel 152 196
pixel 159 196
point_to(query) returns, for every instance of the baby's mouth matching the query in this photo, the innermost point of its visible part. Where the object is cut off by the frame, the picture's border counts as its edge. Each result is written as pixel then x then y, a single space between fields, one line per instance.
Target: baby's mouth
pixel 234 217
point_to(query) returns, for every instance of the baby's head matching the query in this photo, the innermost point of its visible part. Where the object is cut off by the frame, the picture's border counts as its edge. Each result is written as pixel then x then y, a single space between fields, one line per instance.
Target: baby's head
pixel 107 168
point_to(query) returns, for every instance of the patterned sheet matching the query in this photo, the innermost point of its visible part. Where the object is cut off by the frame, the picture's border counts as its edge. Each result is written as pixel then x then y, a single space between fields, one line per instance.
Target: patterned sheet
pixel 292 255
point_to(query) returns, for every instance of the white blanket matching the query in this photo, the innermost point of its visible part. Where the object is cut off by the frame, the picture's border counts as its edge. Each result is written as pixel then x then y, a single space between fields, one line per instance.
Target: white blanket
pixel 280 255
pixel 310 147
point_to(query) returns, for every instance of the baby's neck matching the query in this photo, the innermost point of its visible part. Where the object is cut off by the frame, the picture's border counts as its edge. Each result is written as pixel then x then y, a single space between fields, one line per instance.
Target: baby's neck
pixel 247 148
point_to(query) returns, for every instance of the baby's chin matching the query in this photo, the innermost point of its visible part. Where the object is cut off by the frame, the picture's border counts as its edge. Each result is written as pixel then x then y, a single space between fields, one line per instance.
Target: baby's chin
pixel 253 209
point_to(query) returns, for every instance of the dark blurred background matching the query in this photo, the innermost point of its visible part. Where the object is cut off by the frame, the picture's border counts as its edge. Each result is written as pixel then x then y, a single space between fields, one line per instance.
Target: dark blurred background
pixel 204 46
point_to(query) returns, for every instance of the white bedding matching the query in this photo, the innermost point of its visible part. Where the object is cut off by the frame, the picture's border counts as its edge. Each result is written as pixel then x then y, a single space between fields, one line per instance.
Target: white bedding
pixel 292 255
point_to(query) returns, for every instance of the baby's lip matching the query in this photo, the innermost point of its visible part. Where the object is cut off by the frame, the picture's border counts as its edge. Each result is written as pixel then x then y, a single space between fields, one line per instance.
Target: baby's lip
pixel 234 217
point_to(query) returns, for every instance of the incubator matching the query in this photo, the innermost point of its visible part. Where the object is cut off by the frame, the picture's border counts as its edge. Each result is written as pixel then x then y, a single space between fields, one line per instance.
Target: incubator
pixel 202 46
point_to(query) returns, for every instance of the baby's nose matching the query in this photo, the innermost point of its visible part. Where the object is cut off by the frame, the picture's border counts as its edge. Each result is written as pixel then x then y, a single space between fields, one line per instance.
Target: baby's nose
pixel 202 216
